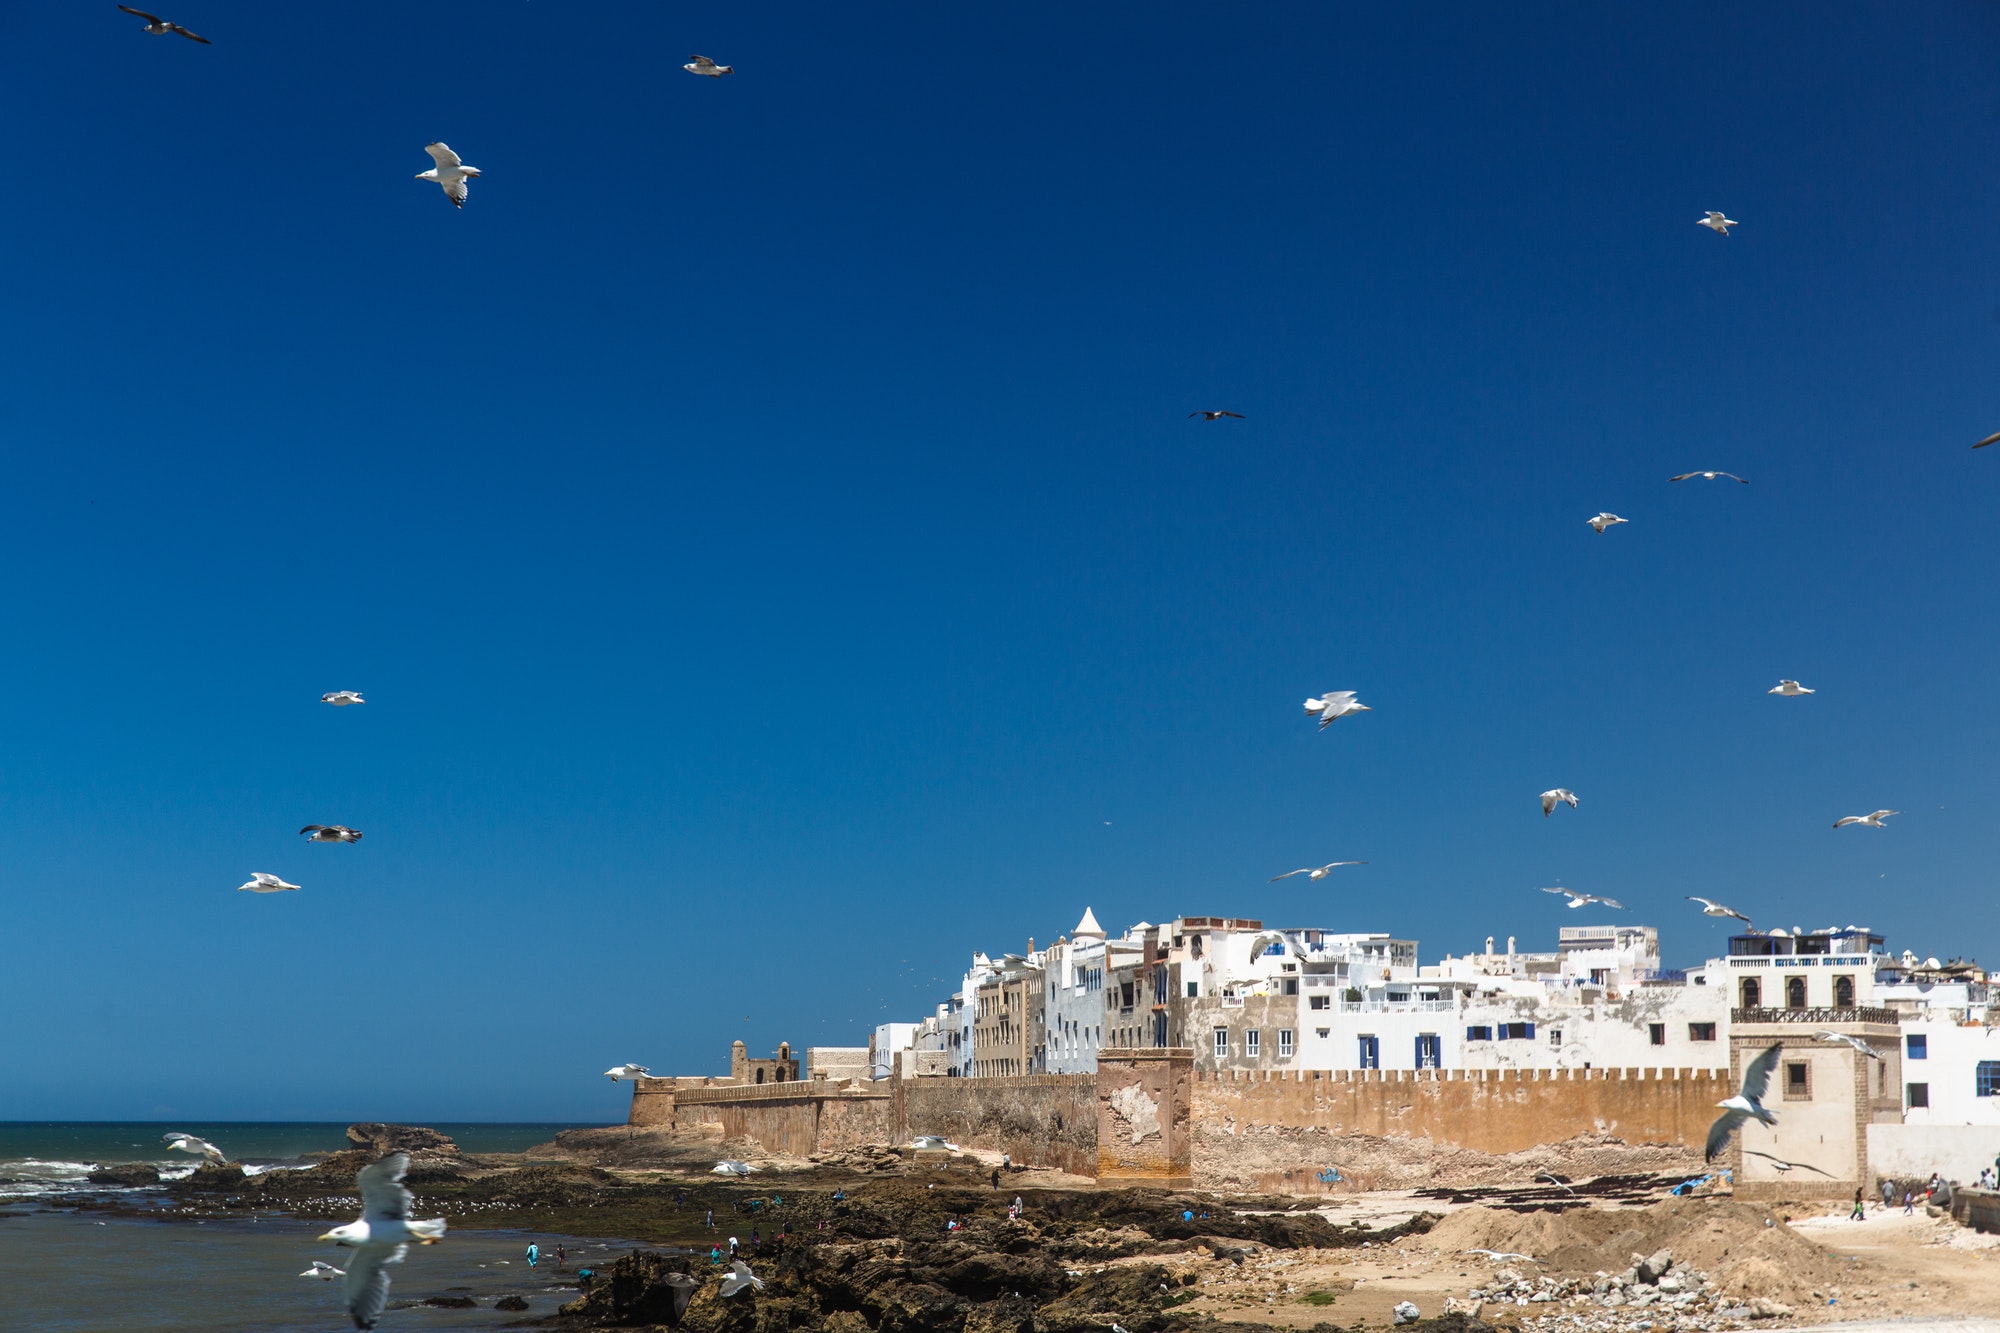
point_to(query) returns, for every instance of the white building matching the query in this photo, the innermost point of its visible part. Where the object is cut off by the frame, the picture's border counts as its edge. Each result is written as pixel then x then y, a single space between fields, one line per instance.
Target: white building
pixel 1074 1016
pixel 887 1040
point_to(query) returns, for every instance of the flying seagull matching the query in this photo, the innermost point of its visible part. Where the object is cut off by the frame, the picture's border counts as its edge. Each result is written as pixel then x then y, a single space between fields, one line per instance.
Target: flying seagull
pixel 342 698
pixel 1791 689
pixel 1870 821
pixel 380 1236
pixel 738 1277
pixel 1712 908
pixel 733 1169
pixel 1991 439
pixel 1320 873
pixel 331 833
pixel 1784 1165
pixel 1207 415
pixel 324 1271
pixel 932 1141
pixel 1716 222
pixel 1708 476
pixel 159 27
pixel 1557 796
pixel 451 174
pixel 1265 939
pixel 261 882
pixel 1553 1179
pixel 1335 705
pixel 1603 521
pixel 1746 1104
pixel 1585 899
pixel 200 1147
pixel 1505 1256
pixel 627 1070
pixel 1855 1042
pixel 703 65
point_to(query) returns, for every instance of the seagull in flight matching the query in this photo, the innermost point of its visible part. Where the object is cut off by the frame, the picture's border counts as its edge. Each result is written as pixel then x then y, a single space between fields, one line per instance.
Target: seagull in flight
pixel 451 174
pixel 260 882
pixel 1505 1256
pixel 1747 1104
pixel 1708 476
pixel 380 1236
pixel 1791 689
pixel 1335 705
pixel 1845 1040
pixel 1709 907
pixel 342 698
pixel 1585 899
pixel 627 1070
pixel 1557 796
pixel 733 1169
pixel 324 1271
pixel 1603 521
pixel 1784 1165
pixel 331 833
pixel 1321 873
pixel 1553 1179
pixel 159 27
pixel 189 1143
pixel 738 1277
pixel 1869 821
pixel 1991 439
pixel 1207 415
pixel 932 1141
pixel 703 65
pixel 1716 222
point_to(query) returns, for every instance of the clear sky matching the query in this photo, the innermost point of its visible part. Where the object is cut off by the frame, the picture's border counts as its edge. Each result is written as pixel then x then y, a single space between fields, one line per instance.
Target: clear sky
pixel 767 528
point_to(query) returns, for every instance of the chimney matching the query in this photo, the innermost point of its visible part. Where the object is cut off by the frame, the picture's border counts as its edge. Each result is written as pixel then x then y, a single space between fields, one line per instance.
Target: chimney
pixel 1489 946
pixel 1031 944
pixel 1510 946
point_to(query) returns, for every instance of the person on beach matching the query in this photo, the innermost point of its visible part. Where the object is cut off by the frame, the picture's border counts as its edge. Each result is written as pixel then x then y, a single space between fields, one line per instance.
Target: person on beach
pixel 1857 1215
pixel 996 1177
pixel 732 1247
pixel 756 1241
pixel 534 1254
pixel 711 1219
pixel 562 1257
pixel 1909 1202
pixel 583 1276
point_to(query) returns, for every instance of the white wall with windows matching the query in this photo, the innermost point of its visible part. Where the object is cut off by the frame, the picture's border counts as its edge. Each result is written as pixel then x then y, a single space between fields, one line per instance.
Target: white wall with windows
pixel 1956 1067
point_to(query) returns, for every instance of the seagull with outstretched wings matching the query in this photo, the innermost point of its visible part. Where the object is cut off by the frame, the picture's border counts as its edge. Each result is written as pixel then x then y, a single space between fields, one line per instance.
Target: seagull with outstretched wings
pixel 159 27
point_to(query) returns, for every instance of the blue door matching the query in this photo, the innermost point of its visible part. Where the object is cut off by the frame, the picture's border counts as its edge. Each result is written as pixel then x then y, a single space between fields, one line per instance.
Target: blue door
pixel 1430 1051
pixel 1371 1053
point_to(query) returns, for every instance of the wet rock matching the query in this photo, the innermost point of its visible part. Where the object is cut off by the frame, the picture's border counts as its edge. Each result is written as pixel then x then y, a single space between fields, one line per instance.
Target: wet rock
pixel 379 1140
pixel 207 1178
pixel 129 1174
pixel 1406 1312
pixel 450 1302
pixel 643 1287
pixel 510 1303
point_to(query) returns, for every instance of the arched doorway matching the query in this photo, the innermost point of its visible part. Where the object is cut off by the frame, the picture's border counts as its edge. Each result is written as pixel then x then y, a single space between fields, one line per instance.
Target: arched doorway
pixel 1751 993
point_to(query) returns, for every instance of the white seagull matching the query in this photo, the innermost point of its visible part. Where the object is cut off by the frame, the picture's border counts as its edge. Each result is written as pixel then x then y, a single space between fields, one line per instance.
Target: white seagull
pixel 159 27
pixel 627 1070
pixel 1709 907
pixel 703 65
pixel 1603 521
pixel 1716 222
pixel 200 1147
pixel 1321 873
pixel 1505 1256
pixel 1335 705
pixel 1585 899
pixel 1707 476
pixel 324 1271
pixel 1784 1165
pixel 342 698
pixel 331 833
pixel 1207 415
pixel 1855 1042
pixel 451 174
pixel 260 882
pixel 733 1169
pixel 1557 796
pixel 1869 821
pixel 1746 1104
pixel 932 1141
pixel 738 1277
pixel 1991 439
pixel 1791 689
pixel 380 1236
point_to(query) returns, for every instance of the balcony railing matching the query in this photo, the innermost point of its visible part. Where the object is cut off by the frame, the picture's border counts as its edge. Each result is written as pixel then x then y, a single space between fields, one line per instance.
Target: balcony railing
pixel 1397 1006
pixel 1823 1016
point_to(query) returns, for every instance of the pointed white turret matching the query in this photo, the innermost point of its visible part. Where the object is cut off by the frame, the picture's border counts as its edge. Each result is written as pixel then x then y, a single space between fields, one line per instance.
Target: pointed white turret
pixel 1088 927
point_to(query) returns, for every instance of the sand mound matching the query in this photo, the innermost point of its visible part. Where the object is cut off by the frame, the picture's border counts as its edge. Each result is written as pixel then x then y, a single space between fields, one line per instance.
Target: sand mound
pixel 1727 1240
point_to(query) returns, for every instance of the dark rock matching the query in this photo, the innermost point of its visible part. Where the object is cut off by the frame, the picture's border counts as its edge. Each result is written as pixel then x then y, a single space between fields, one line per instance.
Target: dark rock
pixel 208 1179
pixel 643 1287
pixel 127 1173
pixel 510 1303
pixel 450 1302
pixel 1654 1267
pixel 379 1140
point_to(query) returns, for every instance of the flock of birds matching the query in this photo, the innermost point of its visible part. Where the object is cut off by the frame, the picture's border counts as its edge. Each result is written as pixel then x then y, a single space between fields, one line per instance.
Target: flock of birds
pixel 262 881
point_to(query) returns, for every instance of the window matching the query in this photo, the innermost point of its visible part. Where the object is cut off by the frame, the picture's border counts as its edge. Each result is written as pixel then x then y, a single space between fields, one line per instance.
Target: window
pixel 1843 992
pixel 1319 1001
pixel 1371 1053
pixel 1798 1081
pixel 1478 1032
pixel 1430 1051
pixel 1125 995
pixel 1753 994
pixel 1795 992
pixel 1284 1043
pixel 1321 1033
pixel 1253 1043
pixel 1555 1039
pixel 1222 1043
pixel 1917 1095
pixel 1986 1079
pixel 1517 1032
pixel 1881 1078
pixel 1919 1046
pixel 1656 1033
pixel 1194 990
pixel 1291 985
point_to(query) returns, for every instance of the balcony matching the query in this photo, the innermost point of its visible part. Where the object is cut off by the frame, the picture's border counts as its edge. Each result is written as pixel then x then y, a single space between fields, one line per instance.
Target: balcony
pixel 1823 1016
pixel 1397 1006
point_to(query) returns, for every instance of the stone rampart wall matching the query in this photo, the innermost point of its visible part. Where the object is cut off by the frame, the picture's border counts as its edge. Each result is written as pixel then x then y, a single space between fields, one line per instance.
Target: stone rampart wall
pixel 1041 1119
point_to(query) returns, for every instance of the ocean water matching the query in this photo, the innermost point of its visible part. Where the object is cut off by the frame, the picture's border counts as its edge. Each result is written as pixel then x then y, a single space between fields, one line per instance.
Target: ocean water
pixel 45 1157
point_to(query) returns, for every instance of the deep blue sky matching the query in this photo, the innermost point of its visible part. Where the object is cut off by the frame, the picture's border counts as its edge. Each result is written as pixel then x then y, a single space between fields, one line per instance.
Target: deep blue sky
pixel 767 529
